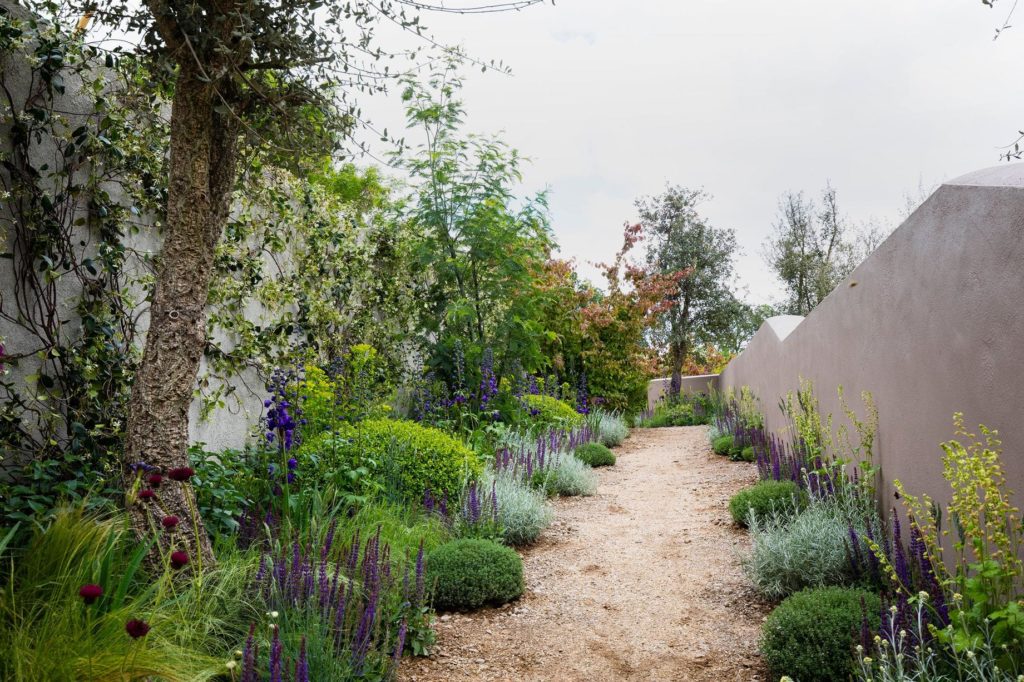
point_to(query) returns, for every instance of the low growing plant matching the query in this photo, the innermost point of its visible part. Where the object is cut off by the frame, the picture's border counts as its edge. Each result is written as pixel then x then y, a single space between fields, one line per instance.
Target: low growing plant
pixel 810 636
pixel 595 454
pixel 611 428
pixel 470 573
pixel 766 498
pixel 722 445
pixel 522 511
pixel 810 549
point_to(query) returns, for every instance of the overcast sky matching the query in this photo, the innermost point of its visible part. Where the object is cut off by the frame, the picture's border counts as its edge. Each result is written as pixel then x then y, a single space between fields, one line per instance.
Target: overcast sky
pixel 611 99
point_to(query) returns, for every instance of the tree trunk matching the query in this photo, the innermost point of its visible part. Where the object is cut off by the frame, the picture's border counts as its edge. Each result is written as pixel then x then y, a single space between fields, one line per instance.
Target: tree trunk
pixel 203 164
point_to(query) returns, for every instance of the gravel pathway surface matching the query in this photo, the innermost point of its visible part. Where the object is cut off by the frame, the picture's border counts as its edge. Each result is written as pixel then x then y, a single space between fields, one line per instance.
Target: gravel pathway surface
pixel 640 582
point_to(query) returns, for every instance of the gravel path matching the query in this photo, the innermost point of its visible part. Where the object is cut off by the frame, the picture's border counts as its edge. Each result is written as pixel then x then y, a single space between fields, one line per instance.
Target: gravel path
pixel 640 582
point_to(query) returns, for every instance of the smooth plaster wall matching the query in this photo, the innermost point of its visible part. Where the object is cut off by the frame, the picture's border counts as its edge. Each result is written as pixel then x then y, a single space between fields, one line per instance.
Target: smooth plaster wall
pixel 699 383
pixel 931 323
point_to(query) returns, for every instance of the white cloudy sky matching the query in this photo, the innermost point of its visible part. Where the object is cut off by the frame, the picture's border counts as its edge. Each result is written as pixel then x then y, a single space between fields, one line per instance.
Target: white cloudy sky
pixel 611 99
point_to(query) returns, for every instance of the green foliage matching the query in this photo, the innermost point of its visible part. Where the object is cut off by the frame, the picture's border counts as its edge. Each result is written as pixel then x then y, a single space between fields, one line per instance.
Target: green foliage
pixel 722 445
pixel 553 412
pixel 595 455
pixel 810 636
pixel 480 243
pixel 468 574
pixel 987 578
pixel 764 498
pixel 407 458
pixel 566 476
pixel 47 632
pixel 791 551
pixel 747 454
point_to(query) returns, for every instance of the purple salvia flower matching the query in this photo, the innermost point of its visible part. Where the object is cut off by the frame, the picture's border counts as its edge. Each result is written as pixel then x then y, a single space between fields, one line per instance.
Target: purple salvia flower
pixel 302 666
pixel 275 657
pixel 400 643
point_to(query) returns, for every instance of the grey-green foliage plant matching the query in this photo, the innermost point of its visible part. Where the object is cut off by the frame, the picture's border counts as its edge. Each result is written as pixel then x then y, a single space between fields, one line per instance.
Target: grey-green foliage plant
pixel 610 427
pixel 567 476
pixel 523 512
pixel 679 239
pixel 790 552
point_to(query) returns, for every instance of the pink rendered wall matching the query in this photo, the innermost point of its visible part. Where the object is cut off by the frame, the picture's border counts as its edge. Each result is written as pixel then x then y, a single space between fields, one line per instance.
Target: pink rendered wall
pixel 931 323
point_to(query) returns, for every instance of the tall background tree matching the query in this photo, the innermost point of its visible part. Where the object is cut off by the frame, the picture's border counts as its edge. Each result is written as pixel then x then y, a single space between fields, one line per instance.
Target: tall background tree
pixel 679 239
pixel 240 75
pixel 814 247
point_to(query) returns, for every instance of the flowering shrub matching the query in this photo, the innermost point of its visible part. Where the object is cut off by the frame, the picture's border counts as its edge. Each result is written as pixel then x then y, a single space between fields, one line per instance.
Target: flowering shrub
pixel 811 635
pixel 467 574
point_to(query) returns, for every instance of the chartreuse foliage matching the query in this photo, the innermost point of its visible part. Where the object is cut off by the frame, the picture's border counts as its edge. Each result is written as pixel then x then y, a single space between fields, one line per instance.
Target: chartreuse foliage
pixel 810 636
pixel 406 457
pixel 469 573
pixel 553 412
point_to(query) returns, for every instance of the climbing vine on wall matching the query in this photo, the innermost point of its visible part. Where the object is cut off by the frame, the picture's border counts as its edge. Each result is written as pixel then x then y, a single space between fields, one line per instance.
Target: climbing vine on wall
pixel 79 170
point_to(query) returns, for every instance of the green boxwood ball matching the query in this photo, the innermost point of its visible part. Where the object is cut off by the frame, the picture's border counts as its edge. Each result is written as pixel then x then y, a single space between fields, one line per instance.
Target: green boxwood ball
pixel 722 445
pixel 467 574
pixel 810 636
pixel 595 454
pixel 764 497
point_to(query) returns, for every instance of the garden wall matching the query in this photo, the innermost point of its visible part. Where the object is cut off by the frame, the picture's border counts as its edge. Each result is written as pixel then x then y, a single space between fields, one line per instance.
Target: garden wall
pixel 699 383
pixel 931 323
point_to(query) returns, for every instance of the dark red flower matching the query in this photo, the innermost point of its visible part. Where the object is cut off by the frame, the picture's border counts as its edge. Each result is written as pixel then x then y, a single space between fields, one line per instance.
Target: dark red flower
pixel 155 480
pixel 180 473
pixel 136 628
pixel 179 559
pixel 169 522
pixel 90 593
pixel 146 494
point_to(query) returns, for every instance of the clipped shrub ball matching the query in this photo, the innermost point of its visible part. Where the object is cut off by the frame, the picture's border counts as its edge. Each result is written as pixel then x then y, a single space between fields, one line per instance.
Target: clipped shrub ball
pixel 407 456
pixel 810 636
pixel 722 445
pixel 595 454
pixel 747 454
pixel 763 498
pixel 553 412
pixel 467 574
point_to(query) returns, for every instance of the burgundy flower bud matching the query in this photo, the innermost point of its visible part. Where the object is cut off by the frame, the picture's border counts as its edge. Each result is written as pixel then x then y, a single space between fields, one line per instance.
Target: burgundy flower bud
pixel 136 628
pixel 169 522
pixel 179 559
pixel 180 473
pixel 90 593
pixel 146 494
pixel 155 480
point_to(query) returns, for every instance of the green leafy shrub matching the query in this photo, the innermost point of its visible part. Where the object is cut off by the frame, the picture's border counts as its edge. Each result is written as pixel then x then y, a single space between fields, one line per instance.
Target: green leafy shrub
pixel 467 574
pixel 406 457
pixel 811 549
pixel 810 635
pixel 595 454
pixel 553 412
pixel 747 454
pixel 683 411
pixel 764 498
pixel 722 445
